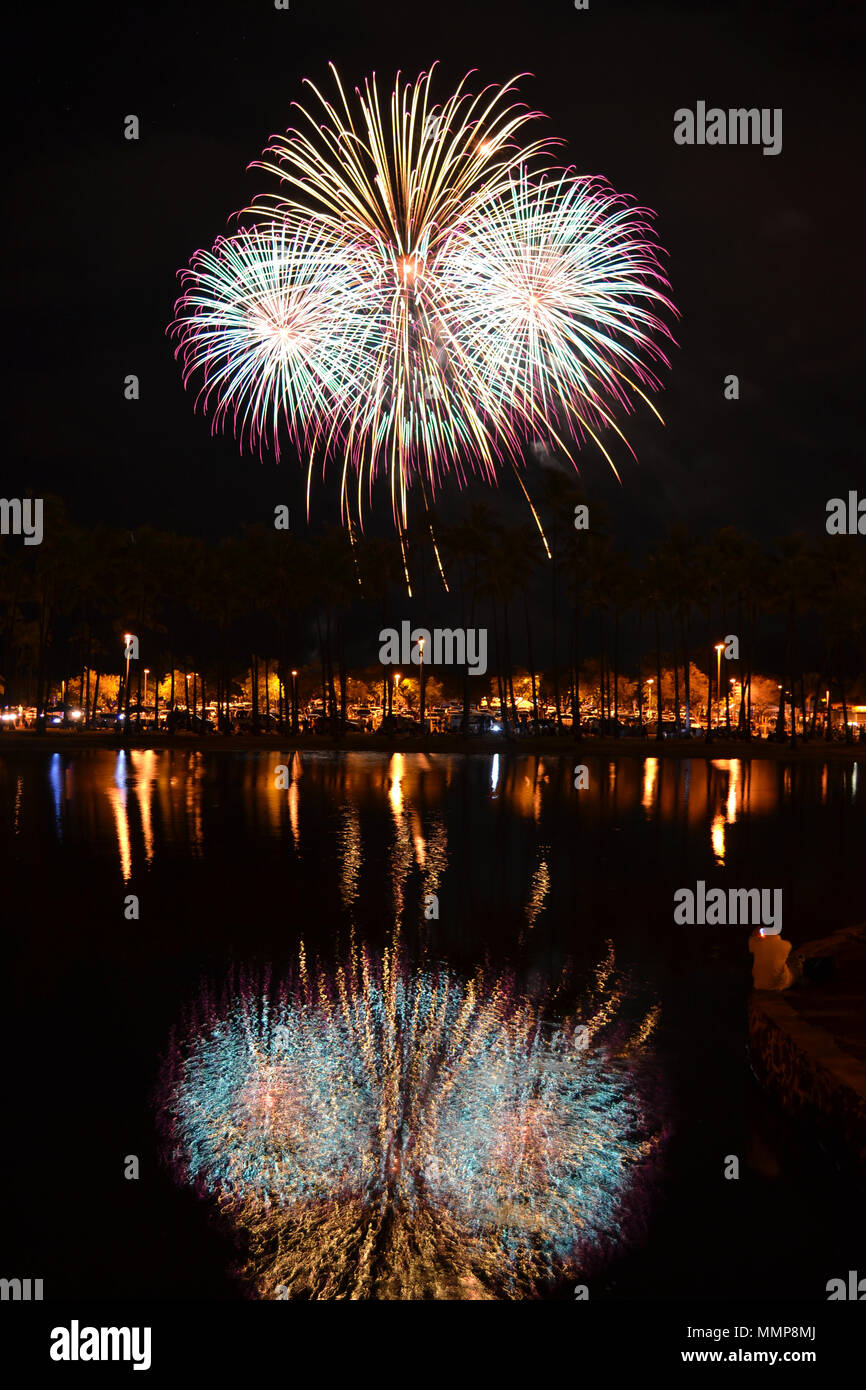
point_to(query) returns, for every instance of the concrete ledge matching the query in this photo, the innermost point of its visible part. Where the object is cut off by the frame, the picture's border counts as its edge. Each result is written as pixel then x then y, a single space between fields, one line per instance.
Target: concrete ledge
pixel 801 1063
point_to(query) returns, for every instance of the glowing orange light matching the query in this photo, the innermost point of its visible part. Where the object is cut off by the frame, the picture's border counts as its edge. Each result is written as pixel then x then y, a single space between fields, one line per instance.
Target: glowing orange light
pixel 410 269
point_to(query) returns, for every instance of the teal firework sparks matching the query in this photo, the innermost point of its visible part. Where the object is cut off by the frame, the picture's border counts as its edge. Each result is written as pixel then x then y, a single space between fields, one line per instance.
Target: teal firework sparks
pixel 425 296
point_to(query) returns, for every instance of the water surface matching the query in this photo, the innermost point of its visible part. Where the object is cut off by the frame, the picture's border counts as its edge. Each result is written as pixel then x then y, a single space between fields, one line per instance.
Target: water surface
pixel 237 858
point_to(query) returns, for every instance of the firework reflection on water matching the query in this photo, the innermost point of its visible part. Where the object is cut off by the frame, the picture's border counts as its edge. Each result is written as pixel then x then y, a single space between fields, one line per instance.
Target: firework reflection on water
pixel 383 1129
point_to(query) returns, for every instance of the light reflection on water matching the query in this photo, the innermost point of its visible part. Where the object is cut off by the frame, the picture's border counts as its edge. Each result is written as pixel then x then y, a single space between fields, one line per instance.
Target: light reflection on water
pixel 486 859
pixel 145 801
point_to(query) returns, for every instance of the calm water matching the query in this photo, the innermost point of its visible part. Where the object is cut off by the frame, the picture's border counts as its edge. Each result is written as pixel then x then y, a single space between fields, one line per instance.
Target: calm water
pixel 530 875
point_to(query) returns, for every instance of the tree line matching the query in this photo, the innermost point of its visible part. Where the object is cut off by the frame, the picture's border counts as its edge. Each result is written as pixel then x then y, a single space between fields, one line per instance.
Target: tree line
pixel 562 603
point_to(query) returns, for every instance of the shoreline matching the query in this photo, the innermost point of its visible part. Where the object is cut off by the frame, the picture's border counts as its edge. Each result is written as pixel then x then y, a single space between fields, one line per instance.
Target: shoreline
pixel 53 741
pixel 808 1047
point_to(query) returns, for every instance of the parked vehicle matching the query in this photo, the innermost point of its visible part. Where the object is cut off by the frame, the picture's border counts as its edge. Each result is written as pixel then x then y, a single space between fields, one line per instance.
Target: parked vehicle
pixel 324 724
pixel 400 724
pixel 480 722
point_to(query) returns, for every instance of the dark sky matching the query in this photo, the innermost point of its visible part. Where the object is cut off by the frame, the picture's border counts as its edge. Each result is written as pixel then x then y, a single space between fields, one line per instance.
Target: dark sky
pixel 765 252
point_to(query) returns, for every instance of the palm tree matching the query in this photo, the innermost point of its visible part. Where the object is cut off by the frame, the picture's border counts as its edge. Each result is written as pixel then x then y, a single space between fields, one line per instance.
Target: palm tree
pixel 381 571
pixel 678 555
pixel 580 556
pixel 656 582
pixel 524 548
pixel 790 593
pixel 840 594
pixel 467 547
pixel 561 493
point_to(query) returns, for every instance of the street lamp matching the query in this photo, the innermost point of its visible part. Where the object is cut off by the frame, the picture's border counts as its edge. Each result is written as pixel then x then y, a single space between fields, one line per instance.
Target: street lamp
pixel 421 663
pixel 649 702
pixel 127 638
pixel 720 647
pixel 294 702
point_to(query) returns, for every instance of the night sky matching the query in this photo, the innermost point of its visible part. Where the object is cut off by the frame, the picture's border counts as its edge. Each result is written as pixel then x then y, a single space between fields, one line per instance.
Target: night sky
pixel 764 251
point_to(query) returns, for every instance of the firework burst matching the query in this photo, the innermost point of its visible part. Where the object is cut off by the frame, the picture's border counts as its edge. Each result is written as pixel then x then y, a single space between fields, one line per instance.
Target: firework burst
pixel 389 1131
pixel 273 341
pixel 423 296
pixel 566 278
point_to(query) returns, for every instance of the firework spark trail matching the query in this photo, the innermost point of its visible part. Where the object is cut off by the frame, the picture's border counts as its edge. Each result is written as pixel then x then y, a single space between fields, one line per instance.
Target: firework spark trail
pixel 425 295
pixel 388 1130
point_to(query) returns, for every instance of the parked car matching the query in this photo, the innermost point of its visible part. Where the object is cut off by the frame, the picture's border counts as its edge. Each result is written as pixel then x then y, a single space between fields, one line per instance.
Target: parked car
pixel 400 724
pixel 324 724
pixel 268 723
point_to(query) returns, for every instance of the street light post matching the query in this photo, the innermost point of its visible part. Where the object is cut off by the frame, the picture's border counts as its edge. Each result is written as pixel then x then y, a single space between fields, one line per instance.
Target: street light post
pixel 649 702
pixel 728 705
pixel 294 702
pixel 423 702
pixel 128 651
pixel 720 647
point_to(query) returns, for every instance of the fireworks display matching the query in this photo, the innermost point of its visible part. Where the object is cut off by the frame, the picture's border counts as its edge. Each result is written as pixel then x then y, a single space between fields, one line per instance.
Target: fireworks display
pixel 426 294
pixel 384 1130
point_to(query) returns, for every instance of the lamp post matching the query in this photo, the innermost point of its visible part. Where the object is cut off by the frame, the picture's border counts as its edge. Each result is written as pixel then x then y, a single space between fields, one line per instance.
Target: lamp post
pixel 649 701
pixel 294 702
pixel 127 637
pixel 421 663
pixel 728 704
pixel 720 647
